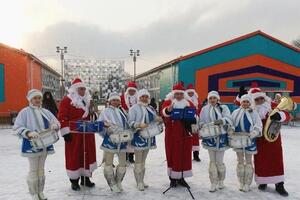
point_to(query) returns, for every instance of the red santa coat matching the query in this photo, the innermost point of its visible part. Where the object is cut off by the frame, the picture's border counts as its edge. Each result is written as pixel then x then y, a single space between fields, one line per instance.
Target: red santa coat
pixel 268 162
pixel 74 150
pixel 178 146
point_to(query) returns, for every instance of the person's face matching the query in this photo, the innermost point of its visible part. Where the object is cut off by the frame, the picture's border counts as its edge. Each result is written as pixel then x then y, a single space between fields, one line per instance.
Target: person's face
pixel 36 101
pixel 277 98
pixel 212 101
pixel 81 91
pixel 245 104
pixel 179 96
pixel 115 102
pixel 144 99
pixel 259 101
pixel 191 94
pixel 131 92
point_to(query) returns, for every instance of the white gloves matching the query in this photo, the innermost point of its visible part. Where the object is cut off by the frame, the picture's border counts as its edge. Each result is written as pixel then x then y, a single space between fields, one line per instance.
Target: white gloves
pixel 253 134
pixel 32 134
pixel 158 119
pixel 143 125
pixel 54 127
pixel 195 128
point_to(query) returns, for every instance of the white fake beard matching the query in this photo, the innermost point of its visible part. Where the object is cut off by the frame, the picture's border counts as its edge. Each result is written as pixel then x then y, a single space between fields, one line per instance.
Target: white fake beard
pixel 180 104
pixel 263 109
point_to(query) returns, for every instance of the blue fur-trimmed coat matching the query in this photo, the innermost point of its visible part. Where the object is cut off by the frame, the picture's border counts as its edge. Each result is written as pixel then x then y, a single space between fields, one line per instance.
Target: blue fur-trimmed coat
pixel 247 120
pixel 209 114
pixel 26 122
pixel 138 114
pixel 118 117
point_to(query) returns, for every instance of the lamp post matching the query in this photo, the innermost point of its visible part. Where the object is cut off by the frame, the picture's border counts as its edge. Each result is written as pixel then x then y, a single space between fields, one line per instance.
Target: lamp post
pixel 62 52
pixel 134 54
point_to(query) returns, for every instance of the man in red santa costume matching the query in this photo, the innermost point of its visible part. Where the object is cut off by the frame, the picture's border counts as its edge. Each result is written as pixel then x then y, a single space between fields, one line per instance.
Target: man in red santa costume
pixel 268 161
pixel 193 97
pixel 128 99
pixel 76 106
pixel 178 138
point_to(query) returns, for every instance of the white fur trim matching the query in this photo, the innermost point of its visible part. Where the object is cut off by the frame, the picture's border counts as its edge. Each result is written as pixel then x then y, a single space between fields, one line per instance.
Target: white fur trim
pixel 213 94
pixel 258 94
pixel 177 91
pixel 246 97
pixel 179 175
pixel 33 93
pixel 143 92
pixel 74 174
pixel 195 148
pixel 269 179
pixel 113 96
pixel 130 88
pixel 164 113
pixel 65 131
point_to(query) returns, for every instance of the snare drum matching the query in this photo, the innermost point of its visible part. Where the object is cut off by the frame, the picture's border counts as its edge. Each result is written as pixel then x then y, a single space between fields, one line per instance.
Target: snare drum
pixel 239 141
pixel 152 130
pixel 210 130
pixel 119 135
pixel 46 138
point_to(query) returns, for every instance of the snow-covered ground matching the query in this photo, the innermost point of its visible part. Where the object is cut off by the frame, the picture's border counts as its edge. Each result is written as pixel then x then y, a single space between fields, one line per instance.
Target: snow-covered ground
pixel 13 171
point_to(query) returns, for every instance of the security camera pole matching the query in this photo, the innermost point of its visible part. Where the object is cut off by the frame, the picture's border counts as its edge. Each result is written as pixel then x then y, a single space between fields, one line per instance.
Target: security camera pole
pixel 62 52
pixel 134 54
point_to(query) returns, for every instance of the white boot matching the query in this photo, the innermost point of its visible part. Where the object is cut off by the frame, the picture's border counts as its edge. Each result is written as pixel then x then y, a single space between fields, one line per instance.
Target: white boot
pixel 110 178
pixel 221 174
pixel 120 173
pixel 248 177
pixel 240 172
pixel 138 174
pixel 213 176
pixel 41 188
pixel 33 185
pixel 143 175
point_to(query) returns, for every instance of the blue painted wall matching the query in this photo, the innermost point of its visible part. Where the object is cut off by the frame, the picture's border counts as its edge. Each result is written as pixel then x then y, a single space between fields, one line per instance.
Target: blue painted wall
pixel 2 98
pixel 257 44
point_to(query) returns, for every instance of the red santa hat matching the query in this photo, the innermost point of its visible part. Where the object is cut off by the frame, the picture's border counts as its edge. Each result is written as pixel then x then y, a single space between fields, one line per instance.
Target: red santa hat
pixel 178 88
pixel 213 94
pixel 77 83
pixel 256 93
pixel 131 86
pixel 191 88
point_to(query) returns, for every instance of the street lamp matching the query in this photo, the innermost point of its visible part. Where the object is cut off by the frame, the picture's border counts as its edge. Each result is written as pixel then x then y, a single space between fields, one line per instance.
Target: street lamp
pixel 134 54
pixel 62 52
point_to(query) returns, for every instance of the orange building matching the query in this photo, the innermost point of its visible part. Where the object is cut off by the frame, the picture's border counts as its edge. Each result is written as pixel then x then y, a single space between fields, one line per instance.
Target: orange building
pixel 19 72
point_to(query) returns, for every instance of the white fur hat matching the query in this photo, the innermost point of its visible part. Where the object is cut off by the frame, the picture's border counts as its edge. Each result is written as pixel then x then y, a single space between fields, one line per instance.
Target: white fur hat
pixel 143 92
pixel 32 93
pixel 246 97
pixel 213 94
pixel 113 96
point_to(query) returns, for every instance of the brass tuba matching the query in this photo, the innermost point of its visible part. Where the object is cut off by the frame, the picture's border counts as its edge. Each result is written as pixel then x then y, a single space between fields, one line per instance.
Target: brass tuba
pixel 272 128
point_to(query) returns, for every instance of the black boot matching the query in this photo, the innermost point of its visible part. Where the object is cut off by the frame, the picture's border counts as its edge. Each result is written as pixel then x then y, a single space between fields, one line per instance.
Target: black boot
pixel 183 183
pixel 74 184
pixel 262 187
pixel 130 157
pixel 281 190
pixel 88 182
pixel 173 182
pixel 196 156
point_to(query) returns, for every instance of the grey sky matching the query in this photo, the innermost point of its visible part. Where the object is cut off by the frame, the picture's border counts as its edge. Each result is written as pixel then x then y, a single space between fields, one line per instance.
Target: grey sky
pixel 161 29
